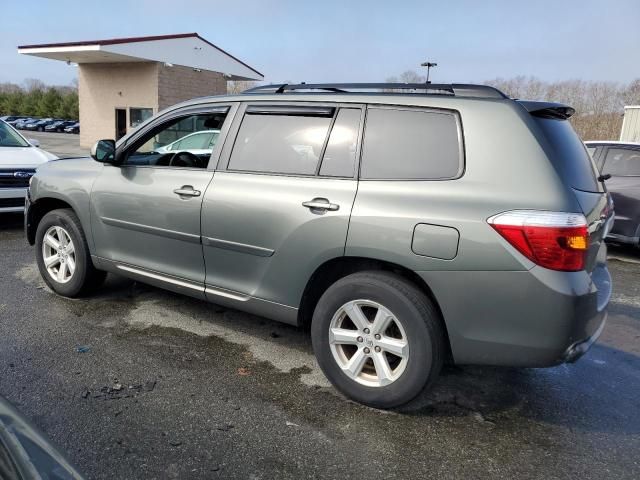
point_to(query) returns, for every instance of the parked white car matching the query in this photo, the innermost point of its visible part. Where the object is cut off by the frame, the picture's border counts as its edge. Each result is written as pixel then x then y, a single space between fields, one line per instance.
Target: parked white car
pixel 198 143
pixel 19 158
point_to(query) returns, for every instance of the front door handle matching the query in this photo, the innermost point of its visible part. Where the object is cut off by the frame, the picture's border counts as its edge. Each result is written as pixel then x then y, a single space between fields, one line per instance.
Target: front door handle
pixel 187 191
pixel 321 204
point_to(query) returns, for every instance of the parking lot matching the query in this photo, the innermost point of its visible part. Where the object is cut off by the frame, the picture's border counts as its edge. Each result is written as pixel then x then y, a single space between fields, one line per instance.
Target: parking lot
pixel 60 144
pixel 138 382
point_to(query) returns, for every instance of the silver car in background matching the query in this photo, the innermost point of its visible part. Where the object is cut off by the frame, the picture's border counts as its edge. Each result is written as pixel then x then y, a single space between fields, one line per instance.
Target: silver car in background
pixel 405 225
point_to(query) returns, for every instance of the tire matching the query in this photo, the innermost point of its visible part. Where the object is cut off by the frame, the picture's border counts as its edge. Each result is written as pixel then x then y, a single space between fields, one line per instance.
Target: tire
pixel 41 129
pixel 415 324
pixel 63 226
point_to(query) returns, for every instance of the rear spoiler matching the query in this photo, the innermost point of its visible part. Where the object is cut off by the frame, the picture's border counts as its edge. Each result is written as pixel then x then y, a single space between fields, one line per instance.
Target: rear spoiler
pixel 556 111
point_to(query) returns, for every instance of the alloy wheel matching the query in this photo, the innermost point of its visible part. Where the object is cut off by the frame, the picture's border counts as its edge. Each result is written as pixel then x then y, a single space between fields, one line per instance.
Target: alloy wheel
pixel 369 343
pixel 58 254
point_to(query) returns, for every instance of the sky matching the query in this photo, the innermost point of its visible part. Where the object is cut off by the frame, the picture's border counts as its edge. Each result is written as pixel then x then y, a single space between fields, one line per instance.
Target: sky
pixel 350 40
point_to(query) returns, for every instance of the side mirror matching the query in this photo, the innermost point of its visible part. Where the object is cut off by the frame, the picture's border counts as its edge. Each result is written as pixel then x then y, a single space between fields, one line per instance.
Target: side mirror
pixel 104 151
pixel 33 142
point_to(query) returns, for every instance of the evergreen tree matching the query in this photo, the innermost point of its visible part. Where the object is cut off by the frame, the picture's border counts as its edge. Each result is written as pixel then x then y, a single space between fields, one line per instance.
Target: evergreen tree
pixel 31 102
pixel 13 104
pixel 49 103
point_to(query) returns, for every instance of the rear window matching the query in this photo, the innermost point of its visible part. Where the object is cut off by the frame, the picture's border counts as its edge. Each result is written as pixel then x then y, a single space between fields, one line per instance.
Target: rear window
pixel 569 156
pixel 622 162
pixel 402 144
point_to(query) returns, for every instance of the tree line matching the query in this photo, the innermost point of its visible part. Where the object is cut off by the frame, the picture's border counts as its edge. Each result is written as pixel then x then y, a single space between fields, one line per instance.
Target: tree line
pixel 36 99
pixel 599 105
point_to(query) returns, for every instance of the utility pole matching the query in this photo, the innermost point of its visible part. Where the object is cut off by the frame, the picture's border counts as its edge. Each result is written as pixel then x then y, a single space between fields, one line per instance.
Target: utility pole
pixel 428 65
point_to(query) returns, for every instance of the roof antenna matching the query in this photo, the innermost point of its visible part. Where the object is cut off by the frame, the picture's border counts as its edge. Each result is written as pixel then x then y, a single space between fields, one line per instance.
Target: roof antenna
pixel 428 65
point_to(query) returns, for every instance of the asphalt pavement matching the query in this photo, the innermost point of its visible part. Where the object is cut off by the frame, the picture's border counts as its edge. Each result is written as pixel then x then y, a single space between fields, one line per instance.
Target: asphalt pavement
pixel 61 144
pixel 136 382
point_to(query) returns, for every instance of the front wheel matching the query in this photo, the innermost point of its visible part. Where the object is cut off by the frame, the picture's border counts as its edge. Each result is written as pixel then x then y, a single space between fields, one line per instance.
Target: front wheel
pixel 378 338
pixel 63 256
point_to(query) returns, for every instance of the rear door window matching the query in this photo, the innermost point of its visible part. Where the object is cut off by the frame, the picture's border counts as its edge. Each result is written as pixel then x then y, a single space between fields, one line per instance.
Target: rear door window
pixel 622 162
pixel 411 144
pixel 569 155
pixel 281 142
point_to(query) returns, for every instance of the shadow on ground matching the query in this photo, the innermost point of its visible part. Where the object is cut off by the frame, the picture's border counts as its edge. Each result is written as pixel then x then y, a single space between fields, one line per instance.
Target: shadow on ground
pixel 11 221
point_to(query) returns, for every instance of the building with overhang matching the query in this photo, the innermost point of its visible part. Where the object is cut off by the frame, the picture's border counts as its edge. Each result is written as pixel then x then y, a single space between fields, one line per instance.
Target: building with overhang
pixel 124 81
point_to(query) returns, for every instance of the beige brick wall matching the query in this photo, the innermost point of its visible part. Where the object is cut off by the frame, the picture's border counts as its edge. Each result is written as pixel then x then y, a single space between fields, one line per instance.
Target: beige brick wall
pixel 103 87
pixel 176 84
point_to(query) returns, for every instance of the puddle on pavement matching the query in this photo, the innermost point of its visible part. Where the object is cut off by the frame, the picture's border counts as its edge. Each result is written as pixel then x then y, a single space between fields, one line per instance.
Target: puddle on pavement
pixel 155 312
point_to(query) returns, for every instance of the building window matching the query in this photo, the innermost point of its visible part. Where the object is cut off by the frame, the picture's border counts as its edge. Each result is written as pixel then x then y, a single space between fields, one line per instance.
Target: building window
pixel 139 115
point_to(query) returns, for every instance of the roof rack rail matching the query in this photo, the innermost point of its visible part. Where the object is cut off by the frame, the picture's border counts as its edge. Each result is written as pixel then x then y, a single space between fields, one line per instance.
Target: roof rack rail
pixel 457 89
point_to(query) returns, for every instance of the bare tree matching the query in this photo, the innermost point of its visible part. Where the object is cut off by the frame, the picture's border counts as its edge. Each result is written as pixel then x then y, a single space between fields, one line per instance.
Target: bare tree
pixel 631 94
pixel 598 105
pixel 31 84
pixel 8 87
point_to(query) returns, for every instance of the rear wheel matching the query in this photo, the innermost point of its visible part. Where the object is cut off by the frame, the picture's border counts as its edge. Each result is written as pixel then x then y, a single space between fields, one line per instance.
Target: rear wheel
pixel 378 338
pixel 63 256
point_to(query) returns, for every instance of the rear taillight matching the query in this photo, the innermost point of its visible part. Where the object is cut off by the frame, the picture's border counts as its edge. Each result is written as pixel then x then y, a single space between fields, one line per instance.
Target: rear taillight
pixel 554 240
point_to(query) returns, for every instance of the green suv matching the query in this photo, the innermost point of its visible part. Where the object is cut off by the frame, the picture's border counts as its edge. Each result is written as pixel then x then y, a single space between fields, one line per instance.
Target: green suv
pixel 406 225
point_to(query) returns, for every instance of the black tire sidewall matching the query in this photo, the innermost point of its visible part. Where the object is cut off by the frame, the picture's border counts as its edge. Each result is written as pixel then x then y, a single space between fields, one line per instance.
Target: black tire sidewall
pixel 422 366
pixel 67 220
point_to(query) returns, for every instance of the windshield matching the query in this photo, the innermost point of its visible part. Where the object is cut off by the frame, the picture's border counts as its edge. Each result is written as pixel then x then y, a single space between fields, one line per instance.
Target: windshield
pixel 10 138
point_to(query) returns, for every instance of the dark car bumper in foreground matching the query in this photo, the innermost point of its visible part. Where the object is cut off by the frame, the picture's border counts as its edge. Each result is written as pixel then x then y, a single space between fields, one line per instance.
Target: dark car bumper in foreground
pixel 27 454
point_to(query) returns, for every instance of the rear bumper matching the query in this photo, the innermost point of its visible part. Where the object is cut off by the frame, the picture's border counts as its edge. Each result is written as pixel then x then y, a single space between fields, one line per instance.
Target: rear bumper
pixel 535 318
pixel 12 199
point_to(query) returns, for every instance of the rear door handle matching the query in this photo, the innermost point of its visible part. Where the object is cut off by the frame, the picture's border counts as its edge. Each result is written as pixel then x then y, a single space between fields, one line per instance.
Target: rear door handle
pixel 187 191
pixel 321 204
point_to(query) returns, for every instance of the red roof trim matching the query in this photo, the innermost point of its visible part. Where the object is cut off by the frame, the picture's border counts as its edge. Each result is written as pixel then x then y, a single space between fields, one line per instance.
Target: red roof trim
pixel 116 41
pixel 111 41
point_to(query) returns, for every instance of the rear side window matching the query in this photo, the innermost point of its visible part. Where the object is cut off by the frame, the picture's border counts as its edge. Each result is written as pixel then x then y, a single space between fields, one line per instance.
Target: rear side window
pixel 287 144
pixel 410 144
pixel 622 162
pixel 569 155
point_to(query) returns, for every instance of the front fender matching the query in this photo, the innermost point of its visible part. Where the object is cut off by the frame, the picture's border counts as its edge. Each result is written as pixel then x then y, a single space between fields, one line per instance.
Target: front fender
pixel 62 184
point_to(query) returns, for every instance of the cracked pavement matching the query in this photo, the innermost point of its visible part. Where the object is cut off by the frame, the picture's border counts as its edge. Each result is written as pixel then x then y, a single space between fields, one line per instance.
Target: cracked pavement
pixel 136 382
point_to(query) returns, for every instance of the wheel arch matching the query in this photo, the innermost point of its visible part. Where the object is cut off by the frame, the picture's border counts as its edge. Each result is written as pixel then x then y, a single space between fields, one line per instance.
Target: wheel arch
pixel 333 270
pixel 39 209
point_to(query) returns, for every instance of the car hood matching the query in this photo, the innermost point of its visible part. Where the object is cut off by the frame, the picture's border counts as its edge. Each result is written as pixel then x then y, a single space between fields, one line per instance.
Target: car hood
pixel 23 157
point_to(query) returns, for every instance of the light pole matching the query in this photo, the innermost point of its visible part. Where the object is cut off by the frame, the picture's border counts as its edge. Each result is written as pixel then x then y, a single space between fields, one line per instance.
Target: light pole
pixel 428 65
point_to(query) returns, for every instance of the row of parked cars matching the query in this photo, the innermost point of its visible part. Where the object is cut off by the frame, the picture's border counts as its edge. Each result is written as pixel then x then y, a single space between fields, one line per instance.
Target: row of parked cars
pixel 36 124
